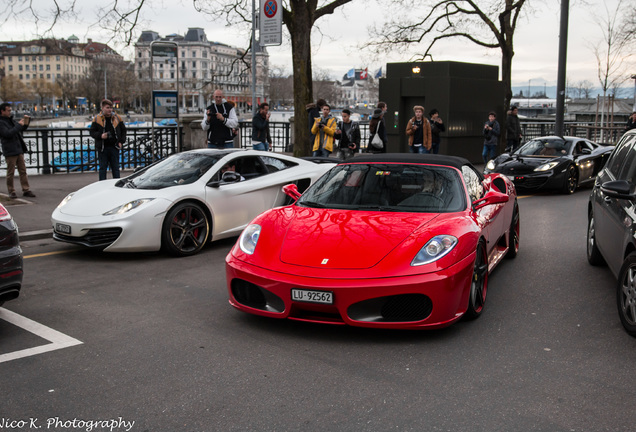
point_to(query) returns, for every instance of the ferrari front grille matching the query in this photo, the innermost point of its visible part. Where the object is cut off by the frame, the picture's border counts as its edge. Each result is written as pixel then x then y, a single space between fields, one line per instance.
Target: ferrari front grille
pixel 396 308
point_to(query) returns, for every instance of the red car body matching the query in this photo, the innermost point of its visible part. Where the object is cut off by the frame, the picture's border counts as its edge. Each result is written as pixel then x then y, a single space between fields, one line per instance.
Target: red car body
pixel 356 266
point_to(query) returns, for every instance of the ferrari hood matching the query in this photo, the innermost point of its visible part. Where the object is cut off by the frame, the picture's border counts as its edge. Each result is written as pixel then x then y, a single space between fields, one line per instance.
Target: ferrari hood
pixel 345 239
pixel 100 197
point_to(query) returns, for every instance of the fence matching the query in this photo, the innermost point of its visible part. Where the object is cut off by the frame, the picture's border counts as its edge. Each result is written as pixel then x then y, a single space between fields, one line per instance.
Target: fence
pixel 64 150
pixel 51 150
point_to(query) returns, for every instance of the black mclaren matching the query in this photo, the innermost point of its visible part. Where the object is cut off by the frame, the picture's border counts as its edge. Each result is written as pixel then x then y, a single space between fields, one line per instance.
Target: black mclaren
pixel 552 162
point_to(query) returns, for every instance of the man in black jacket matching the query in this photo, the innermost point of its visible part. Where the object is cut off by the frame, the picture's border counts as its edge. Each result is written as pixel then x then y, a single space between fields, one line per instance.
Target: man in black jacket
pixel 13 147
pixel 348 132
pixel 261 139
pixel 109 132
pixel 219 120
pixel 513 129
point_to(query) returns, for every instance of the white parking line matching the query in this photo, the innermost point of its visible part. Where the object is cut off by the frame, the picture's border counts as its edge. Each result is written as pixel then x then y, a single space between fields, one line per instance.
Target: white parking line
pixel 58 340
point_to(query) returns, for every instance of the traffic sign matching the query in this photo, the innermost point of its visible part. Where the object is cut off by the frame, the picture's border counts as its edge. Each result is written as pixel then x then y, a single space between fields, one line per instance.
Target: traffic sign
pixel 271 22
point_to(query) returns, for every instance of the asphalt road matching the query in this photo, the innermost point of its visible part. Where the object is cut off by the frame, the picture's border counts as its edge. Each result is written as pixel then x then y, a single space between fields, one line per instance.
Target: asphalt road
pixel 161 347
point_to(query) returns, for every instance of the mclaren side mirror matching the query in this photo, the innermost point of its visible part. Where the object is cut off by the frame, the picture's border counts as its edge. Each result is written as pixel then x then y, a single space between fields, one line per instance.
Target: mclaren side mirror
pixel 291 190
pixel 490 198
pixel 620 189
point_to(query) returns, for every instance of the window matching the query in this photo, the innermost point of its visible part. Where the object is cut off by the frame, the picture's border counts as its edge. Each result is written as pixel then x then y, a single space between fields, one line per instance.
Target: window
pixel 19 58
pixel 628 170
pixel 10 67
pixel 619 155
pixel 48 67
pixel 20 67
pixel 194 53
pixel 26 67
pixel 473 183
pixel 194 64
pixel 28 76
pixel 41 67
pixel 57 67
pixel 57 58
pixel 20 76
pixel 48 76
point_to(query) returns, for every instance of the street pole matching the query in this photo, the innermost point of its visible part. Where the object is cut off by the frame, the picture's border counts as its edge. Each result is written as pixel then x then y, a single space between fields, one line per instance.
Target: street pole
pixel 105 81
pixel 563 46
pixel 254 58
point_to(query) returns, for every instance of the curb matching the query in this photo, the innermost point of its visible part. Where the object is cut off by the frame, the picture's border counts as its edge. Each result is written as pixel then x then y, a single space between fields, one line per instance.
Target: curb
pixel 36 235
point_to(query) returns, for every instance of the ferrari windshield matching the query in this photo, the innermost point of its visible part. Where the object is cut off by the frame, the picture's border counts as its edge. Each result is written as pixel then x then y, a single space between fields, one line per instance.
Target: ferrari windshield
pixel 388 187
pixel 179 169
pixel 545 147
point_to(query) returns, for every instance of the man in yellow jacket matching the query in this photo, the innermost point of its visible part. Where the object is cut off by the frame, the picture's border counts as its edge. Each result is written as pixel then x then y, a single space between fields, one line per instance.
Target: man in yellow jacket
pixel 324 129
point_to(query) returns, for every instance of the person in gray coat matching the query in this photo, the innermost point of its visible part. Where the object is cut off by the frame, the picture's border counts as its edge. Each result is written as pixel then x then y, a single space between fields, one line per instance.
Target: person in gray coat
pixel 14 147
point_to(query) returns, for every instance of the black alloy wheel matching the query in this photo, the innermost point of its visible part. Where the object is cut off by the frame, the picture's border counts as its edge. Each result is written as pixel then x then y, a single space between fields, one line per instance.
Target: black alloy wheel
pixel 571 180
pixel 626 294
pixel 478 284
pixel 185 229
pixel 513 235
pixel 594 256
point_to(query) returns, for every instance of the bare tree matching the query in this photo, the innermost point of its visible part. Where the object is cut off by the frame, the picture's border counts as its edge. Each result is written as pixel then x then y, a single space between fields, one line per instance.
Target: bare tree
pixel 299 17
pixel 281 86
pixel 584 89
pixel 489 24
pixel 323 86
pixel 12 89
pixel 611 52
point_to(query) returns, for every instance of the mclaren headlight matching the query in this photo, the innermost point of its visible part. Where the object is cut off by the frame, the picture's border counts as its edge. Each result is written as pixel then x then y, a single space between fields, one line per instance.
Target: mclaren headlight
pixel 546 166
pixel 128 206
pixel 249 238
pixel 491 164
pixel 434 249
pixel 65 200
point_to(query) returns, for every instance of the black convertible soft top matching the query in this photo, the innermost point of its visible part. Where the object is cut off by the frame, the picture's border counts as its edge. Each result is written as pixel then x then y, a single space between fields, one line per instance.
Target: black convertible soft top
pixel 452 161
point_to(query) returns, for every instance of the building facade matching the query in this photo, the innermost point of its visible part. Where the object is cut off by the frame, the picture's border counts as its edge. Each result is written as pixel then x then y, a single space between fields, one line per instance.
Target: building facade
pixel 203 66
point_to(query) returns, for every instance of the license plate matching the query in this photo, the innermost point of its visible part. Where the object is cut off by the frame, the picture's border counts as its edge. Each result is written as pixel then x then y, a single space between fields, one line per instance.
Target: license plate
pixel 62 228
pixel 325 297
pixel 512 178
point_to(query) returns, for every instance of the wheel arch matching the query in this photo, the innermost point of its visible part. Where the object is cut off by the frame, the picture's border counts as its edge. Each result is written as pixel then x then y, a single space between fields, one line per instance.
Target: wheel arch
pixel 199 202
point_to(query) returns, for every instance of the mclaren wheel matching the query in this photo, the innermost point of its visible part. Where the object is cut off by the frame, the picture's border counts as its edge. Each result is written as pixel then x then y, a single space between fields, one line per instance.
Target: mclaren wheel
pixel 513 235
pixel 479 284
pixel 571 180
pixel 626 294
pixel 594 256
pixel 185 230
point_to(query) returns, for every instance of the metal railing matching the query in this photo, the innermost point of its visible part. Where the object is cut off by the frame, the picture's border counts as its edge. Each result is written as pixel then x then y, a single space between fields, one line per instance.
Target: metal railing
pixel 65 150
pixel 52 150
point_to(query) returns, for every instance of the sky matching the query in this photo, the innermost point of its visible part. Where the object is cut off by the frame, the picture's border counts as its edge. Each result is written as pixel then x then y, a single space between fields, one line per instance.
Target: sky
pixel 336 41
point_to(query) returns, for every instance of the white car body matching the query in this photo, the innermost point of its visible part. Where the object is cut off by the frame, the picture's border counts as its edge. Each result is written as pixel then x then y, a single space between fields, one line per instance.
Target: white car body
pixel 229 206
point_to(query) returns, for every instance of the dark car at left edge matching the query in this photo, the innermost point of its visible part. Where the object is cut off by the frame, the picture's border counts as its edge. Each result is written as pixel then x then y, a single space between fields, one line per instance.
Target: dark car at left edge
pixel 10 258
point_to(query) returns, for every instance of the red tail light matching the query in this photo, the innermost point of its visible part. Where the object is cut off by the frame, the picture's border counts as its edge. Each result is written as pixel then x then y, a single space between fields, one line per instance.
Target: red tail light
pixel 4 214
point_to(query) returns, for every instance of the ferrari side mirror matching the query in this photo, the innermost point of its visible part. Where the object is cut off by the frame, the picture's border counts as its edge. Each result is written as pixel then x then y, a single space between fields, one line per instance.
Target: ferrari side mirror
pixel 291 190
pixel 490 198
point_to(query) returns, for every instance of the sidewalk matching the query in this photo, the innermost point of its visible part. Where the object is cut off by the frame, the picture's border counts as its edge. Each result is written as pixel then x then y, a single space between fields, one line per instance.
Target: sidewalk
pixel 33 215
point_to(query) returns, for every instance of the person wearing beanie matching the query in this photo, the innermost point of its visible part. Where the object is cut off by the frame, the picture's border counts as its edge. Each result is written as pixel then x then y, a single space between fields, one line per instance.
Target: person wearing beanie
pixel 376 126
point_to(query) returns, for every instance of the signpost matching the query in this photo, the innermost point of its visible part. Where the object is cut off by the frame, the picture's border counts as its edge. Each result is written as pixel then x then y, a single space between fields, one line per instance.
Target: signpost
pixel 271 22
pixel 165 104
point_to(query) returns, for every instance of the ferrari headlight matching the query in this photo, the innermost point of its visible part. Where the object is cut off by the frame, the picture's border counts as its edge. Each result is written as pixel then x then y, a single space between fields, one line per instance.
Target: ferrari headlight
pixel 491 164
pixel 249 238
pixel 434 249
pixel 546 166
pixel 128 206
pixel 65 200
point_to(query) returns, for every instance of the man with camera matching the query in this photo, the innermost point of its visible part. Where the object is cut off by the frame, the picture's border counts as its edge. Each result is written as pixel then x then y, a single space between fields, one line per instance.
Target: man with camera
pixel 491 137
pixel 324 129
pixel 348 132
pixel 14 147
pixel 109 131
pixel 219 120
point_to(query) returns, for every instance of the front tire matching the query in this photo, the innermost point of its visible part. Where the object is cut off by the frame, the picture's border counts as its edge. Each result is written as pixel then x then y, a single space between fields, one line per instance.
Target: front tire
pixel 185 230
pixel 626 294
pixel 571 181
pixel 594 256
pixel 478 284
